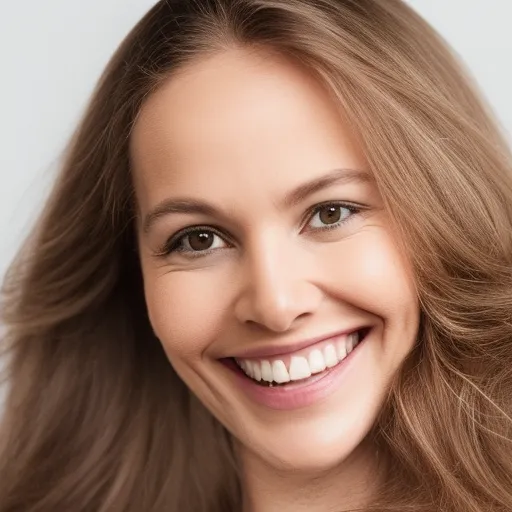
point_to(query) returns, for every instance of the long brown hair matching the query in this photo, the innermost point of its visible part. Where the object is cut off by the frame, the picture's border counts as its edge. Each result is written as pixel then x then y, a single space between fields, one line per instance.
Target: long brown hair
pixel 96 418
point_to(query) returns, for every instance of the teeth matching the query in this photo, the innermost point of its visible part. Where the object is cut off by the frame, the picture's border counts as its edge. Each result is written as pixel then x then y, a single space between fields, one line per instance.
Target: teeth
pixel 341 350
pixel 331 359
pixel 316 361
pixel 300 367
pixel 266 371
pixel 256 367
pixel 352 342
pixel 280 372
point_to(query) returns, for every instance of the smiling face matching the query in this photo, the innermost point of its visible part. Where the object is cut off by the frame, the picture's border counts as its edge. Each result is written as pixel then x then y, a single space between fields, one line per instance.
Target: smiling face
pixel 291 245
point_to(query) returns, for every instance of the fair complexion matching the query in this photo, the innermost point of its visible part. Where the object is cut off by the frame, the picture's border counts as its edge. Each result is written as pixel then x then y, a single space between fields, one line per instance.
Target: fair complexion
pixel 239 131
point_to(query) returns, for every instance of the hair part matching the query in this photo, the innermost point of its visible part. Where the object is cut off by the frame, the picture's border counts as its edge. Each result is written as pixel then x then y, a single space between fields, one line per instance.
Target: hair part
pixel 96 417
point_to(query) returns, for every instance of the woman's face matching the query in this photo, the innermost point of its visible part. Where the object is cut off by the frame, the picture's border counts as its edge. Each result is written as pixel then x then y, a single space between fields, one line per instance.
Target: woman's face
pixel 291 252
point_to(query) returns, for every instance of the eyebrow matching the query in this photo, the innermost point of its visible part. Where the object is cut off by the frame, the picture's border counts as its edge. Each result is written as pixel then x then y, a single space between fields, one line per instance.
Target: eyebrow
pixel 188 205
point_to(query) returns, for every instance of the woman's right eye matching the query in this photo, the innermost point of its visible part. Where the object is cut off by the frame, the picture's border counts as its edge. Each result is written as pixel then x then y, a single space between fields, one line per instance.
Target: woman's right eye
pixel 194 242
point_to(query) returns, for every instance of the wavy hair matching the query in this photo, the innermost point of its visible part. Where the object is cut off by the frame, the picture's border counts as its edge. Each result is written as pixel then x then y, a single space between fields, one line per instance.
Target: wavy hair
pixel 97 420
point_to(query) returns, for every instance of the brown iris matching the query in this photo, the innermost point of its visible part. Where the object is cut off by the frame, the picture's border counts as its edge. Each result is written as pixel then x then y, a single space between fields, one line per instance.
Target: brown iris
pixel 330 214
pixel 200 240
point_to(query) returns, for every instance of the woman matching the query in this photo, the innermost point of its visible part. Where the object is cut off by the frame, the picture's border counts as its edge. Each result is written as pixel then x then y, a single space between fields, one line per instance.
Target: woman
pixel 274 274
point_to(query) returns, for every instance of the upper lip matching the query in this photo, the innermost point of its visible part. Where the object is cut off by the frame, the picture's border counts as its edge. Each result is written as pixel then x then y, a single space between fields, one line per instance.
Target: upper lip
pixel 278 350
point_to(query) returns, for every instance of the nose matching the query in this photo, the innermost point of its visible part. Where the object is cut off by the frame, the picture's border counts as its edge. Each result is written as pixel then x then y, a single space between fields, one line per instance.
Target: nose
pixel 277 288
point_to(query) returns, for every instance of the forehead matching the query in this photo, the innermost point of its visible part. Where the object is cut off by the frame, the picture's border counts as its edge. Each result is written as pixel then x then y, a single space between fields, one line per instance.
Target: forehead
pixel 238 117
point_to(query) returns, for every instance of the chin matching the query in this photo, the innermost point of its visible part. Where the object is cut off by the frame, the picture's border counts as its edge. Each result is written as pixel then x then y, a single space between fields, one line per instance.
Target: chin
pixel 312 445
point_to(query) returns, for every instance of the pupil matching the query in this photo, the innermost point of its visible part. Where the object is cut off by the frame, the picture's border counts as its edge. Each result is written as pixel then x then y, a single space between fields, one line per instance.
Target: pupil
pixel 333 214
pixel 200 241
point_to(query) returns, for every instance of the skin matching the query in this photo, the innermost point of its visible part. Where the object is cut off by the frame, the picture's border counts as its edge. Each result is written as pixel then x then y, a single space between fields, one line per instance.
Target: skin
pixel 239 130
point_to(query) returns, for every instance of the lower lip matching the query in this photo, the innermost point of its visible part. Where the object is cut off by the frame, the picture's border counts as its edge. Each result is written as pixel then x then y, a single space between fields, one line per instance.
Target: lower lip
pixel 301 394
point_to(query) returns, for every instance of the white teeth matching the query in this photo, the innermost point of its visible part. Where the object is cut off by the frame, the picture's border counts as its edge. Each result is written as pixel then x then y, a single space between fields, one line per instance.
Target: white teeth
pixel 280 372
pixel 341 349
pixel 331 359
pixel 351 342
pixel 316 361
pixel 256 371
pixel 299 368
pixel 266 371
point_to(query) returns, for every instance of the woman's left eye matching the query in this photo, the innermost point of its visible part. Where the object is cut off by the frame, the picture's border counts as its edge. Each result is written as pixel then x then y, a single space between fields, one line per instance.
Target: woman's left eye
pixel 198 241
pixel 332 215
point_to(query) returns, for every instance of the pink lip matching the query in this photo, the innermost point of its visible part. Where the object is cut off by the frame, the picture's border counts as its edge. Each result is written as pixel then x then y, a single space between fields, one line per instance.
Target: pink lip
pixel 279 350
pixel 301 394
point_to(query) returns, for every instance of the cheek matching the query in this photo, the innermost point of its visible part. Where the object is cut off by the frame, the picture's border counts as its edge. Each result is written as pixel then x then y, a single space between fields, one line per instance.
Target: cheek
pixel 368 272
pixel 186 310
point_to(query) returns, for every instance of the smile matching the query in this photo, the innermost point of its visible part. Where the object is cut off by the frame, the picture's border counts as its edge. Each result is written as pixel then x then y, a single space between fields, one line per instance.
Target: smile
pixel 300 378
pixel 302 364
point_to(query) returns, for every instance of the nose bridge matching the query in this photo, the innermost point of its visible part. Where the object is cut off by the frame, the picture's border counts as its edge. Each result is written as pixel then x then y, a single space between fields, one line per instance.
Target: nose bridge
pixel 275 286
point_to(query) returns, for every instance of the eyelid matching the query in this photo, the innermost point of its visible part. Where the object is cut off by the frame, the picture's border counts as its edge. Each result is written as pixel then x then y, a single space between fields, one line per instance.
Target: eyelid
pixel 172 242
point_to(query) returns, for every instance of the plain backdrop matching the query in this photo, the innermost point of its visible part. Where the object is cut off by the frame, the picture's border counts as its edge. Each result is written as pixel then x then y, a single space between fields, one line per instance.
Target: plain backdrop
pixel 53 51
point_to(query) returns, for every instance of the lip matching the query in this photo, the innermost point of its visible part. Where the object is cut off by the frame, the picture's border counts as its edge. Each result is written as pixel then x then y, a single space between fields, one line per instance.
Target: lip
pixel 279 350
pixel 302 394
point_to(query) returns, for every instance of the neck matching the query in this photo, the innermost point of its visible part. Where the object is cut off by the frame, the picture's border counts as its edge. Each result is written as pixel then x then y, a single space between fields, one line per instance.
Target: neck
pixel 347 486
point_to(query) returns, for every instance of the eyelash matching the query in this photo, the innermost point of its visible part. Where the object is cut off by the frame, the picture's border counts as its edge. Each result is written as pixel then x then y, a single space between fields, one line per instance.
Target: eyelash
pixel 173 244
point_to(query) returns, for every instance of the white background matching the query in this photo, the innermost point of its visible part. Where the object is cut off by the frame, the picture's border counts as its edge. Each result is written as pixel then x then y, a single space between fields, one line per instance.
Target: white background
pixel 53 51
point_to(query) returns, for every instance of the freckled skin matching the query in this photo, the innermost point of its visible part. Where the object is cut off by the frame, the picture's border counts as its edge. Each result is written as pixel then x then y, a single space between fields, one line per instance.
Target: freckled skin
pixel 240 131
